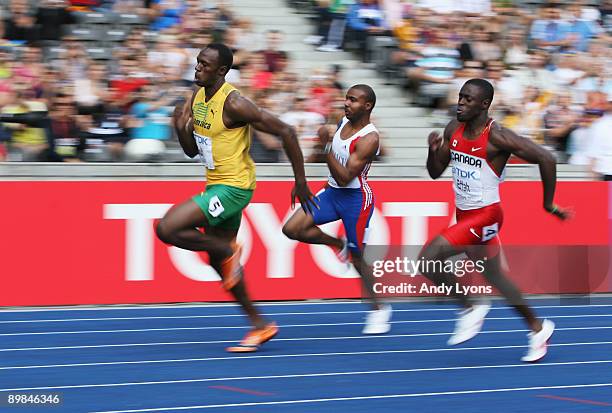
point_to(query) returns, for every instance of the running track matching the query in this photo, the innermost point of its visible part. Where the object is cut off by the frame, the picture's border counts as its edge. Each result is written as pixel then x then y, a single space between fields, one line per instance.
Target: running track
pixel 171 359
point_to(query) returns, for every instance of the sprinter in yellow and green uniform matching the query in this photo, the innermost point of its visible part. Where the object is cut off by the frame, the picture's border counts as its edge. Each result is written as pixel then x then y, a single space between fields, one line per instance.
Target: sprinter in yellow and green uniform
pixel 224 152
pixel 215 125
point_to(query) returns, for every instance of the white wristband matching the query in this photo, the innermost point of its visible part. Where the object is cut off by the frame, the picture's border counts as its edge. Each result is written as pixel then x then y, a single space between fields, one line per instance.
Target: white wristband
pixel 328 147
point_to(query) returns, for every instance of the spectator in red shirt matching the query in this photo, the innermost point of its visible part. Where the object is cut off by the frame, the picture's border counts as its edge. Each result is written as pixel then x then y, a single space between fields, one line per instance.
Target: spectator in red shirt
pixel 272 53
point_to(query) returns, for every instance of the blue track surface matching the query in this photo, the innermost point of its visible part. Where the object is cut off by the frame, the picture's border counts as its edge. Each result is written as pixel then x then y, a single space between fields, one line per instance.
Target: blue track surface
pixel 172 358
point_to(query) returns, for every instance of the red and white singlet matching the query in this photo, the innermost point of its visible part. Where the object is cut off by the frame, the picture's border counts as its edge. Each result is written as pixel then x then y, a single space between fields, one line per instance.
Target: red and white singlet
pixel 342 149
pixel 476 186
pixel 475 183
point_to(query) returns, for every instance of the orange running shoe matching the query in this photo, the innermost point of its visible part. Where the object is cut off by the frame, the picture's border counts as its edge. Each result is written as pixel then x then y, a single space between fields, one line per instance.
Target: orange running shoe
pixel 231 268
pixel 254 339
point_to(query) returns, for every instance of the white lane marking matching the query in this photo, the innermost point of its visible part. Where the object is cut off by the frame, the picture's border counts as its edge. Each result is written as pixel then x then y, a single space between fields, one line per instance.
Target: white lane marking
pixel 405 310
pixel 140 330
pixel 362 337
pixel 383 396
pixel 293 376
pixel 221 305
pixel 241 358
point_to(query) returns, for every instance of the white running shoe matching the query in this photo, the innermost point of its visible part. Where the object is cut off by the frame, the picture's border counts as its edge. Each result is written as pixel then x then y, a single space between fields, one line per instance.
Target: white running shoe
pixel 538 342
pixel 377 321
pixel 469 323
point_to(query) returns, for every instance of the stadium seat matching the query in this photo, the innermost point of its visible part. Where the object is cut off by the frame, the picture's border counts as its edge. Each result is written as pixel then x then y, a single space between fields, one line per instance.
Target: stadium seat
pixel 114 34
pixel 130 18
pixel 83 33
pixel 94 17
pixel 98 52
pixel 150 36
pixel 54 52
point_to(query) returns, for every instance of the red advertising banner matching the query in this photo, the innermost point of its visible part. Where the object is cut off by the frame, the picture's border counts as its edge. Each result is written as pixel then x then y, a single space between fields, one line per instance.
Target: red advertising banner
pixel 94 242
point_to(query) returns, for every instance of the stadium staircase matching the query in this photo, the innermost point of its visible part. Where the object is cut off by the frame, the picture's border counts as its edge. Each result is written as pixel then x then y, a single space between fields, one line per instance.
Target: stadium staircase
pixel 404 128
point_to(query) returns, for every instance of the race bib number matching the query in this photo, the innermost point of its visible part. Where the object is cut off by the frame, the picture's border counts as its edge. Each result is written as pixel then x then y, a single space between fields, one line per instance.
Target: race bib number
pixel 205 149
pixel 489 232
pixel 215 207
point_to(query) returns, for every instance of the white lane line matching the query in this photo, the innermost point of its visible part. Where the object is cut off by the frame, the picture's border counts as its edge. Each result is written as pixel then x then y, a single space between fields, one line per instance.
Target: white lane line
pixel 305 375
pixel 221 305
pixel 382 396
pixel 137 330
pixel 405 310
pixel 362 337
pixel 241 358
pixel 174 306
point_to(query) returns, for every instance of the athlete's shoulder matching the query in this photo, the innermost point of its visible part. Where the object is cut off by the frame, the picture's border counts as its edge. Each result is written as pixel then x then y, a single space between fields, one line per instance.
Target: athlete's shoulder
pixel 369 143
pixel 373 127
pixel 372 135
pixel 498 131
pixel 235 101
pixel 370 132
pixel 504 138
pixel 451 128
pixel 228 89
pixel 240 110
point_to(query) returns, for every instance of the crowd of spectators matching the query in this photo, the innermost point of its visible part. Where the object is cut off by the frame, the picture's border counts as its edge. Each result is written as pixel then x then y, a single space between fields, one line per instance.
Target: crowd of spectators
pixel 104 75
pixel 98 80
pixel 550 62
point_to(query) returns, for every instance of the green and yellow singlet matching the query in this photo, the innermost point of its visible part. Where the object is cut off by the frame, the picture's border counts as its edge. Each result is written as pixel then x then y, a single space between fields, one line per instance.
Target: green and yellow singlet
pixel 224 152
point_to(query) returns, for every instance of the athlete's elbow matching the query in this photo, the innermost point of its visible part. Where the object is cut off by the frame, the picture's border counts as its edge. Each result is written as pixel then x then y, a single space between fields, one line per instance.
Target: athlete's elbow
pixel 190 153
pixel 292 132
pixel 341 183
pixel 433 173
pixel 343 179
pixel 289 135
pixel 189 149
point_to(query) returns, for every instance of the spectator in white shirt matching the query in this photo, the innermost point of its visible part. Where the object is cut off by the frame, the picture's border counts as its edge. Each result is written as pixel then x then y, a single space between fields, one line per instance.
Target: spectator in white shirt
pixel 568 70
pixel 516 48
pixel 306 122
pixel 600 145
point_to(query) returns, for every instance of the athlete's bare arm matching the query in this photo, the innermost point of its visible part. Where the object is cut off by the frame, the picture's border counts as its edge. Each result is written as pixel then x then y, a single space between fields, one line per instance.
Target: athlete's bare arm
pixel 507 140
pixel 239 111
pixel 365 151
pixel 438 157
pixel 182 119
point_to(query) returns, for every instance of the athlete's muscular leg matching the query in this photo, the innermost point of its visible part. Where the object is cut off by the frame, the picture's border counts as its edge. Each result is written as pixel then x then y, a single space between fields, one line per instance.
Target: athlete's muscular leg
pixel 367 279
pixel 495 275
pixel 179 227
pixel 239 291
pixel 439 249
pixel 301 227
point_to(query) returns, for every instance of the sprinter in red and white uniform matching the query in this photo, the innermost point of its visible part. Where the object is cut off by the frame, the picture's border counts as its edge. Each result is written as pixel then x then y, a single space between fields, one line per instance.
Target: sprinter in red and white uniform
pixel 347 196
pixel 477 149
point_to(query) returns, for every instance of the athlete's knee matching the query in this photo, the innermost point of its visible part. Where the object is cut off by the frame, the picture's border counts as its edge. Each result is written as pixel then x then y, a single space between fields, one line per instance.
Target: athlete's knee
pixel 291 230
pixel 163 232
pixel 438 248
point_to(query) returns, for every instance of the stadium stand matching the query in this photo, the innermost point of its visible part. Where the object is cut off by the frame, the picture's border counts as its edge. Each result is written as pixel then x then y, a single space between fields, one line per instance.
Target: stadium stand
pixel 549 62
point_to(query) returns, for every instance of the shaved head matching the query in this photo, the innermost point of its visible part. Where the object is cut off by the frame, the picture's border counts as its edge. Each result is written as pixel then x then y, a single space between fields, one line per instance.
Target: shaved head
pixel 485 88
pixel 369 92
